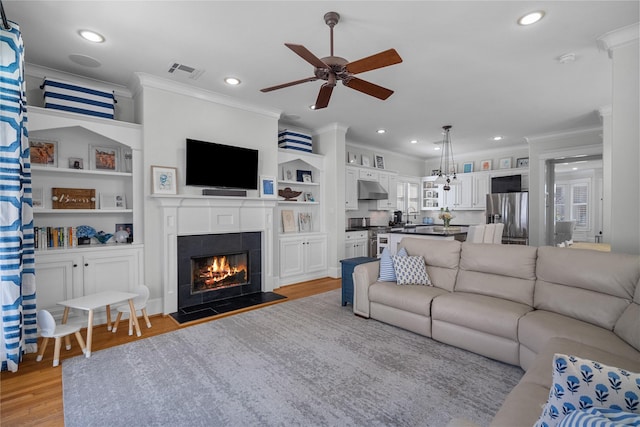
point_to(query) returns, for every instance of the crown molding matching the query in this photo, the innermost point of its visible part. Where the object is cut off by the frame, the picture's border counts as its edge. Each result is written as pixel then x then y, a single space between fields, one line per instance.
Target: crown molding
pixel 575 132
pixel 619 38
pixel 143 80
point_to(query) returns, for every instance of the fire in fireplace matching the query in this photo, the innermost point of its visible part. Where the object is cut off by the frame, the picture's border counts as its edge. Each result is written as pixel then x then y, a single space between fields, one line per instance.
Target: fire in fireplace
pixel 218 271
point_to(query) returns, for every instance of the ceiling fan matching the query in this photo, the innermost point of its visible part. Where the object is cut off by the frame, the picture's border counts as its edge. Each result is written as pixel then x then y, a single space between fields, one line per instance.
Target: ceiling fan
pixel 334 68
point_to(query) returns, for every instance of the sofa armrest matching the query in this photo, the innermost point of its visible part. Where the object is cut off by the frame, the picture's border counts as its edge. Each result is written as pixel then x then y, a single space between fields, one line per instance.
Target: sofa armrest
pixel 364 275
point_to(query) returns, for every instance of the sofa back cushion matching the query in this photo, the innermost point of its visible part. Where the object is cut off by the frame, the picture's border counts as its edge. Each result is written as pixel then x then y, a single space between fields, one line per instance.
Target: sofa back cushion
pixel 503 271
pixel 628 325
pixel 591 286
pixel 442 258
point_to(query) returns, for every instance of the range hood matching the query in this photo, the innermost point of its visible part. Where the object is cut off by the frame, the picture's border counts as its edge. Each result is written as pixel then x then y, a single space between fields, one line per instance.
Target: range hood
pixel 371 190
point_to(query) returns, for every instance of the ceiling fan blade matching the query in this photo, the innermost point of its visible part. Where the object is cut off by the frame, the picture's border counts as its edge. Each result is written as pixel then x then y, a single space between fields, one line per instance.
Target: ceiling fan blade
pixel 373 62
pixel 368 88
pixel 323 96
pixel 305 54
pixel 297 82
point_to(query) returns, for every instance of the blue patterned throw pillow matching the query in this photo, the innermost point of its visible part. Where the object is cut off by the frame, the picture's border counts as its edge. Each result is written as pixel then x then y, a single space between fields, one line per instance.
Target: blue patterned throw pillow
pixel 387 270
pixel 580 384
pixel 411 270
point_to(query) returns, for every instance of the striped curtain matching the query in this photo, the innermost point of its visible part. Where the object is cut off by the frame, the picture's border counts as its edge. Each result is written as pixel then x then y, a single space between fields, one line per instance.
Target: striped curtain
pixel 17 273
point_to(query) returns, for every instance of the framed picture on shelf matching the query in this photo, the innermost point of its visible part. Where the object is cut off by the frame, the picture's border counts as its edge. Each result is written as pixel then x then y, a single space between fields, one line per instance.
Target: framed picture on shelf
pixel 104 158
pixel 76 163
pixel 485 165
pixel 128 227
pixel 267 186
pixel 37 197
pixel 352 158
pixel 288 222
pixel 303 176
pixel 127 160
pixel 112 201
pixel 43 153
pixel 467 167
pixel 287 174
pixel 366 161
pixel 522 162
pixel 378 161
pixel 308 197
pixel 505 163
pixel 304 222
pixel 164 180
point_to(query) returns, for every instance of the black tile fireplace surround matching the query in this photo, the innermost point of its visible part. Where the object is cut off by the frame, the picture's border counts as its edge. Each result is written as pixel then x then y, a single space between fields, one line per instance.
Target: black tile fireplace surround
pixel 215 244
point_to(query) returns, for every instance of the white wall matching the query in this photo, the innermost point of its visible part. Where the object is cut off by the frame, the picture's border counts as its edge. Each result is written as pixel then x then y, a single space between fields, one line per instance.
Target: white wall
pixel 170 113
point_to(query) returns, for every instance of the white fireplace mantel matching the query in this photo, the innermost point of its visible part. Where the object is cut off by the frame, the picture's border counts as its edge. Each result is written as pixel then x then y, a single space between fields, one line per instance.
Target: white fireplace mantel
pixel 184 215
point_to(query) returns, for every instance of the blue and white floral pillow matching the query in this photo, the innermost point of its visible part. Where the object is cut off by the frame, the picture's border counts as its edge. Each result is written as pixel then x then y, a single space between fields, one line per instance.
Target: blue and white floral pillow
pixel 580 384
pixel 387 270
pixel 411 270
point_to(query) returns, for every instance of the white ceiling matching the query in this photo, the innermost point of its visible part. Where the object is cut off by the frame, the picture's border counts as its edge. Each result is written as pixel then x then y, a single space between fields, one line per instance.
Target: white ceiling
pixel 466 63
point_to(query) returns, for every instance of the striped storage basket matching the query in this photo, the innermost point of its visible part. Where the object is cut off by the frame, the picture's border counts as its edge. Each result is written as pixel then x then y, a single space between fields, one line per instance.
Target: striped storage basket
pixel 65 96
pixel 294 141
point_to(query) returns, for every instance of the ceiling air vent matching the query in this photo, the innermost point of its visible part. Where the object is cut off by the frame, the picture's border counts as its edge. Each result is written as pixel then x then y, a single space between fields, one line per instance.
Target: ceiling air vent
pixel 176 69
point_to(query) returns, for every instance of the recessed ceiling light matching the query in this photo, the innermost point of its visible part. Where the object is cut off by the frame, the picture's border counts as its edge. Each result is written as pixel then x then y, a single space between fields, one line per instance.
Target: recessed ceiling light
pixel 575 169
pixel 414 141
pixel 497 138
pixel 232 81
pixel 92 36
pixel 436 148
pixel 531 18
pixel 381 131
pixel 312 106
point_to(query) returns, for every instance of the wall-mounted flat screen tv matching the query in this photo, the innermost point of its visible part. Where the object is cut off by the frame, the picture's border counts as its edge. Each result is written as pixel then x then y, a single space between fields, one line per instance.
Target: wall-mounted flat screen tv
pixel 221 166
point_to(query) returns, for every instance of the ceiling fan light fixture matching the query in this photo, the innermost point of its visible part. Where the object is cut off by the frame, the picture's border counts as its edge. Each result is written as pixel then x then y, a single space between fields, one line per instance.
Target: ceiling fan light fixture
pixel 91 36
pixel 531 18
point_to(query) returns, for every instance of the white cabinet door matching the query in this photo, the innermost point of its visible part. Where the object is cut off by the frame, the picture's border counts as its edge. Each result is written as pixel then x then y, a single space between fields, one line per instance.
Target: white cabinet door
pixel 351 189
pixel 361 248
pixel 58 278
pixel 464 191
pixel 480 190
pixel 368 175
pixel 291 257
pixel 356 244
pixel 315 253
pixel 111 272
pixel 389 182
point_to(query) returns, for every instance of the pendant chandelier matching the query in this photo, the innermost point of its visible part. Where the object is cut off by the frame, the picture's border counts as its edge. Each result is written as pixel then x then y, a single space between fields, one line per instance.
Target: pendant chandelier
pixel 447 172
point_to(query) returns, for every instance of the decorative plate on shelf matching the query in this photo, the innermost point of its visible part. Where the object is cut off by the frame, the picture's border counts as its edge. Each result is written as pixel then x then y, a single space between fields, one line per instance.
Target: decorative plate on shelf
pixel 289 194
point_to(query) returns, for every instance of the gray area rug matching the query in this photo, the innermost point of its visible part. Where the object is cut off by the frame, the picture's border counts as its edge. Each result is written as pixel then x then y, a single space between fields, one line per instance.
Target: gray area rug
pixel 305 362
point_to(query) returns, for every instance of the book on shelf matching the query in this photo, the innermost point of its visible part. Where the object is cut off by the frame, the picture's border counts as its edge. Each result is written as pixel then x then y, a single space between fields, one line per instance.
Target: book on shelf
pixel 54 237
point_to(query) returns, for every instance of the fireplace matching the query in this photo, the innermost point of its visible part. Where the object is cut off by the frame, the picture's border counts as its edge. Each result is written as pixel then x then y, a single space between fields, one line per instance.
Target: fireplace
pixel 214 267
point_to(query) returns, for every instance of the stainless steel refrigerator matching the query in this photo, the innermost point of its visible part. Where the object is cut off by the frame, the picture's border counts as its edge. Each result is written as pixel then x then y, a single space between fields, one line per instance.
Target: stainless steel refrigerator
pixel 512 209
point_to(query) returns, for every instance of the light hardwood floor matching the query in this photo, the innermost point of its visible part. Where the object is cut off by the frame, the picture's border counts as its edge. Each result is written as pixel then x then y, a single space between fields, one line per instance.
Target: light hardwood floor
pixel 33 395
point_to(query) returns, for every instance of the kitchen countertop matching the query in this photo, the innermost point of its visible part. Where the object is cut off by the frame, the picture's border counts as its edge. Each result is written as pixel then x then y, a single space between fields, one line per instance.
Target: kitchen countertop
pixel 433 230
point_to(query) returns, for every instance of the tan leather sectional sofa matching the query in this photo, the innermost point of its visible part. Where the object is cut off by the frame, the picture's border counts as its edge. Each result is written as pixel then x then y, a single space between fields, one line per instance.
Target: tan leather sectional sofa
pixel 516 304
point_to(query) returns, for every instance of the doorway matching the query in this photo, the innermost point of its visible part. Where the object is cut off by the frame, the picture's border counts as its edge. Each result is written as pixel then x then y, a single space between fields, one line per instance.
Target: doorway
pixel 574 207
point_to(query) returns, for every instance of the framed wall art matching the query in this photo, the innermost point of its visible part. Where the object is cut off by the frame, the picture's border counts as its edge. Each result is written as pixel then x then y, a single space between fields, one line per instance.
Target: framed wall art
pixel 37 197
pixel 378 161
pixel 366 161
pixel 267 187
pixel 467 167
pixel 304 222
pixel 164 180
pixel 485 165
pixel 112 201
pixel 303 176
pixel 103 158
pixel 505 163
pixel 522 162
pixel 288 221
pixel 43 153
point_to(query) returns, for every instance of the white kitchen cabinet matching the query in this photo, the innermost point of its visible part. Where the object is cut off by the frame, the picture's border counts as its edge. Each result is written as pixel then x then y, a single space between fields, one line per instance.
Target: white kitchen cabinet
pixel 481 188
pixel 368 175
pixel 430 196
pixel 302 258
pixel 356 244
pixel 351 189
pixel 388 181
pixel 71 273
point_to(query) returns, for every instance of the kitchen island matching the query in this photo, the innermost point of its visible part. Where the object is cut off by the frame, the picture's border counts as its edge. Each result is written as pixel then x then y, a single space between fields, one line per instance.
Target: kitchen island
pixel 456 232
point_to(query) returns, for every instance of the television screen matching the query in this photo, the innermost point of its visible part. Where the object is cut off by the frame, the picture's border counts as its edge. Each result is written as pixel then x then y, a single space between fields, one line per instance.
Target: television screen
pixel 506 184
pixel 218 165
